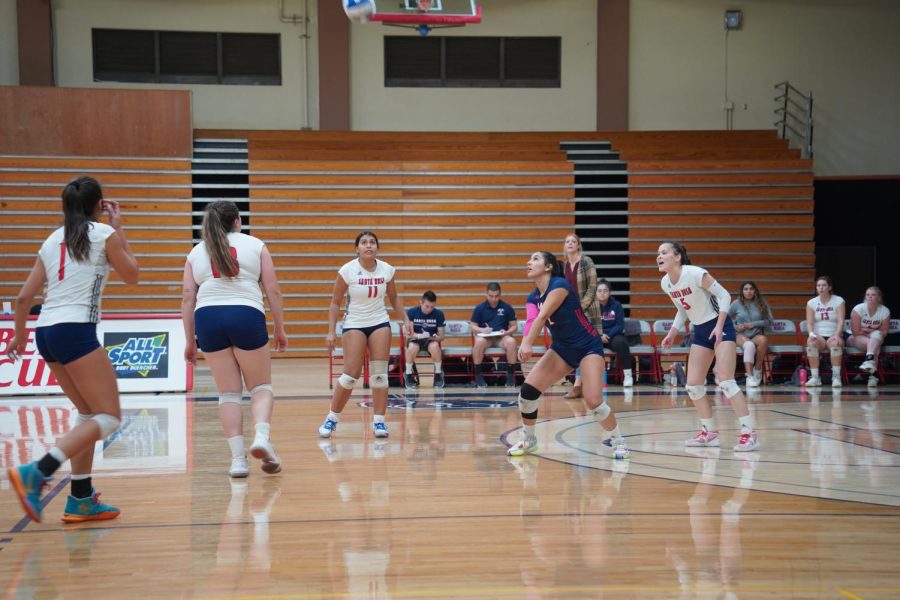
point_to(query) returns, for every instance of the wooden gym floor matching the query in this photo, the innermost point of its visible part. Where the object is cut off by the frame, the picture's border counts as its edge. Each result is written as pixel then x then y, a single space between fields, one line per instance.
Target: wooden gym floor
pixel 439 511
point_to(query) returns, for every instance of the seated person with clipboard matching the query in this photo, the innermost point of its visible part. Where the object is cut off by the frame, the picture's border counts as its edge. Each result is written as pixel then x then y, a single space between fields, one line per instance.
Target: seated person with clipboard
pixel 494 322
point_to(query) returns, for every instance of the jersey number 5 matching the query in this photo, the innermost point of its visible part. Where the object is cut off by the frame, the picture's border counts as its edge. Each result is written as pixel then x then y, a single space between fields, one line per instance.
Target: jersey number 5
pixel 233 251
pixel 684 304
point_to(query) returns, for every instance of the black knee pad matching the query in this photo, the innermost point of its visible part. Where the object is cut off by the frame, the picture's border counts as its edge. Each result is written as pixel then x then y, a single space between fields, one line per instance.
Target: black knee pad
pixel 529 392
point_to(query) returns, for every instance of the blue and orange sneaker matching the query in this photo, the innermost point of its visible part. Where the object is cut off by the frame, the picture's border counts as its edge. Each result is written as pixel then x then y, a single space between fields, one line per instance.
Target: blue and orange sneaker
pixel 79 510
pixel 28 482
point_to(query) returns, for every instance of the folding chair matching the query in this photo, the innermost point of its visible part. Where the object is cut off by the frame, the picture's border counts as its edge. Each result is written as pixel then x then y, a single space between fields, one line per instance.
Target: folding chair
pixel 638 351
pixel 661 329
pixel 890 353
pixel 783 333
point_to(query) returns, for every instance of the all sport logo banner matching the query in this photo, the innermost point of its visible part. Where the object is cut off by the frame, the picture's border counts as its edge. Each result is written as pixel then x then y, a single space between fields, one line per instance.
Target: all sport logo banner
pixel 143 355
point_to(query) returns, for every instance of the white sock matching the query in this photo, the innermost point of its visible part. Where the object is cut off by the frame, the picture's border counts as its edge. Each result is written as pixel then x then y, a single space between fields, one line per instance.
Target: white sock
pixel 263 429
pixel 58 454
pixel 437 367
pixel 333 416
pixel 529 430
pixel 757 373
pixel 236 444
pixel 614 434
pixel 409 367
pixel 378 419
pixel 626 372
pixel 836 372
pixel 814 372
pixel 710 424
pixel 746 423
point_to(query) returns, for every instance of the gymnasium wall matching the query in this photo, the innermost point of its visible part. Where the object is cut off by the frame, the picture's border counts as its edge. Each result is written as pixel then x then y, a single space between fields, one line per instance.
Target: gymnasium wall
pixel 847 53
pixel 9 53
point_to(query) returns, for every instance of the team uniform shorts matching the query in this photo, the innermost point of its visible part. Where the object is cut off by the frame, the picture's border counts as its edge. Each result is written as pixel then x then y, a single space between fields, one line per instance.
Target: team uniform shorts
pixel 220 327
pixel 703 330
pixel 573 356
pixel 367 331
pixel 66 342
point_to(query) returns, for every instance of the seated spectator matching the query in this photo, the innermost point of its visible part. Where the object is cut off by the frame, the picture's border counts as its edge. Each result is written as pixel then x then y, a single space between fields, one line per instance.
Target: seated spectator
pixel 751 315
pixel 869 324
pixel 613 332
pixel 824 320
pixel 428 333
pixel 494 322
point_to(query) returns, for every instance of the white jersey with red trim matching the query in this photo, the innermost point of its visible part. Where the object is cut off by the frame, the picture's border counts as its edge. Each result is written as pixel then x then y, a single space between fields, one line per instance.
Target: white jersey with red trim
pixel 688 294
pixel 240 290
pixel 365 293
pixel 74 288
pixel 825 315
pixel 869 323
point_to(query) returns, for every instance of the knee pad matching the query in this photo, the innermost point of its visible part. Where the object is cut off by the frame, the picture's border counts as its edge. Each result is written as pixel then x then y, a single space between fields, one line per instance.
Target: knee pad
pixel 601 412
pixel 263 387
pixel 877 336
pixel 812 352
pixel 82 418
pixel 836 351
pixel 379 370
pixel 528 400
pixel 730 388
pixel 347 382
pixel 696 391
pixel 749 352
pixel 230 397
pixel 108 424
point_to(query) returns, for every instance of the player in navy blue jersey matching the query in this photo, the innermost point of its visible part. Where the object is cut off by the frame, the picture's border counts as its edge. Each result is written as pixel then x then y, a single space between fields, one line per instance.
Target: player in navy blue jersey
pixel 575 344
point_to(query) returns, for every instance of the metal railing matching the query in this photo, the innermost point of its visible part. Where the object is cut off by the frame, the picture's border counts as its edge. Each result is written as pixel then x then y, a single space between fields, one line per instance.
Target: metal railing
pixel 795 123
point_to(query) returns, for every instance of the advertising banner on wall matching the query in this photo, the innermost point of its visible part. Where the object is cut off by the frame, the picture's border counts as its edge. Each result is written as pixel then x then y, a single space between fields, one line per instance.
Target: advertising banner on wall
pixel 146 351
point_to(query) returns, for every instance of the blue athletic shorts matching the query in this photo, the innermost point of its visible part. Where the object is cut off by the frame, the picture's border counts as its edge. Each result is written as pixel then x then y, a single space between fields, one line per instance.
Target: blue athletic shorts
pixel 573 356
pixel 702 331
pixel 367 330
pixel 66 342
pixel 220 327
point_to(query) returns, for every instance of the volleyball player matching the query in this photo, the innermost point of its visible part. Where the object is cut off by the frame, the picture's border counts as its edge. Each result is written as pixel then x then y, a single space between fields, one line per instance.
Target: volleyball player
pixel 702 300
pixel 870 321
pixel 223 312
pixel 365 281
pixel 825 323
pixel 575 344
pixel 74 264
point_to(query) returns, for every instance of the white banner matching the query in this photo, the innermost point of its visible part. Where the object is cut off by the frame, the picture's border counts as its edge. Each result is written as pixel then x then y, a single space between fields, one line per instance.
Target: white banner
pixel 146 350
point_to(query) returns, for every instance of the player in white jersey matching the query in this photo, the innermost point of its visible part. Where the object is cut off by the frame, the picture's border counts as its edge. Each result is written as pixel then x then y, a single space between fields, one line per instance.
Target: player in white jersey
pixel 74 263
pixel 702 300
pixel 223 313
pixel 825 322
pixel 869 324
pixel 365 281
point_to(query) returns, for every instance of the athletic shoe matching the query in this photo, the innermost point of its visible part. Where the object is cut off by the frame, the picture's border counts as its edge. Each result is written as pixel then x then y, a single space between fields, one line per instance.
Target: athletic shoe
pixel 380 430
pixel 620 450
pixel 88 509
pixel 813 382
pixel 704 439
pixel 747 442
pixel 873 381
pixel 239 467
pixel 869 366
pixel 439 381
pixel 327 428
pixel 263 450
pixel 480 383
pixel 526 445
pixel 27 482
pixel 409 381
pixel 752 381
pixel 836 382
pixel 628 381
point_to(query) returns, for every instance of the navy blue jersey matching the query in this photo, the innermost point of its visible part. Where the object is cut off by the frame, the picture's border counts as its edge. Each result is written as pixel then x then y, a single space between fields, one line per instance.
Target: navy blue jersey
pixel 569 327
pixel 495 318
pixel 423 323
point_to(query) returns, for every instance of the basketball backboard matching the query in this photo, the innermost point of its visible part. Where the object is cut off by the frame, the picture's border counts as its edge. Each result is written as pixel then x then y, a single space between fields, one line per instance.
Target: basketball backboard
pixel 426 14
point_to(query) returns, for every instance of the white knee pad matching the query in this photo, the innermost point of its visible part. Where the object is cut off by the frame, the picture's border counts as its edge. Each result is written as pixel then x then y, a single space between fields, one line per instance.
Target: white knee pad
pixel 263 387
pixel 749 351
pixel 696 391
pixel 526 407
pixel 837 351
pixel 812 352
pixel 379 374
pixel 108 424
pixel 230 398
pixel 347 382
pixel 601 412
pixel 730 388
pixel 877 336
pixel 82 418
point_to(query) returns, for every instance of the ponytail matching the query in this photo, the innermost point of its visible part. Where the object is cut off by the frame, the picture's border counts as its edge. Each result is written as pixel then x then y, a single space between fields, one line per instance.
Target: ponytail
pixel 80 198
pixel 218 219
